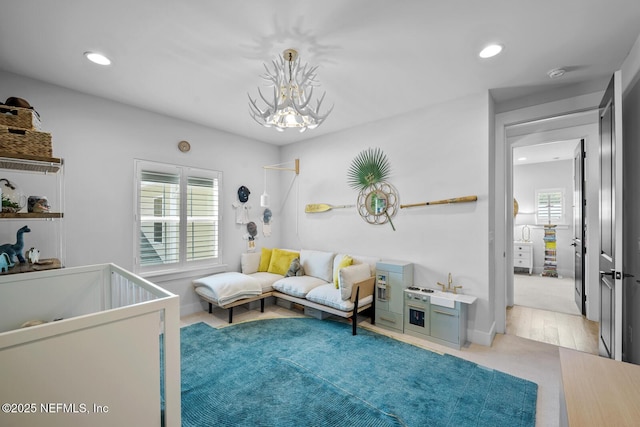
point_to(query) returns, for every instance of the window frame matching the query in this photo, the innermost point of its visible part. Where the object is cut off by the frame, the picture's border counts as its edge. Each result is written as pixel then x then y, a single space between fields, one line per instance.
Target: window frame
pixel 184 173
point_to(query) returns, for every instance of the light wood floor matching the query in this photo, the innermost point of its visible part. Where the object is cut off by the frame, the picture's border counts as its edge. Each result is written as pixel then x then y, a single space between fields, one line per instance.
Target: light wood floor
pixel 564 330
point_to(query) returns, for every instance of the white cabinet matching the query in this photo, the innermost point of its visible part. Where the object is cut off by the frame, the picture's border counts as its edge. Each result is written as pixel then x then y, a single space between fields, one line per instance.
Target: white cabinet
pixel 42 177
pixel 523 255
pixel 449 325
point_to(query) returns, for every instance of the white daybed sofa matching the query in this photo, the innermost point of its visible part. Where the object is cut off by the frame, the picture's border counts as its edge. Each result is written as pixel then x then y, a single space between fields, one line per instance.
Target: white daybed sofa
pixel 263 275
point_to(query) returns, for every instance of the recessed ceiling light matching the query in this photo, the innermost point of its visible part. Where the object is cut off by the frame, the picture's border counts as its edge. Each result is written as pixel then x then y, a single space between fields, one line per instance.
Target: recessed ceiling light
pixel 491 50
pixel 97 58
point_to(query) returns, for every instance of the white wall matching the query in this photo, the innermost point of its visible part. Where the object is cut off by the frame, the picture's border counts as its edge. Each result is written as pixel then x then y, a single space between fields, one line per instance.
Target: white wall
pixel 527 179
pixel 435 153
pixel 99 140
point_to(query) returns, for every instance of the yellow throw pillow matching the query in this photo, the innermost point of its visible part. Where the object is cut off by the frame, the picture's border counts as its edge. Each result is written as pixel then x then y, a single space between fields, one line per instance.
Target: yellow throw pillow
pixel 265 259
pixel 281 260
pixel 346 262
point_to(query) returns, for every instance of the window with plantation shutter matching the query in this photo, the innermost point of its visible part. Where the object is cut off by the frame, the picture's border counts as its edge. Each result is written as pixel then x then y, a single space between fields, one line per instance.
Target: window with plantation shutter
pixel 177 218
pixel 550 206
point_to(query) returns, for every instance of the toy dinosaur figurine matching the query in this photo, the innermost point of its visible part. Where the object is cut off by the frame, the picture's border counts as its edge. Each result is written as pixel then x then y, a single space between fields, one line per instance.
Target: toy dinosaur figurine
pixel 15 250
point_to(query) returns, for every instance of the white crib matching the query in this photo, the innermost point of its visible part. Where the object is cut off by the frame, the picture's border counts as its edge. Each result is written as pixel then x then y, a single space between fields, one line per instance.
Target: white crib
pixel 113 359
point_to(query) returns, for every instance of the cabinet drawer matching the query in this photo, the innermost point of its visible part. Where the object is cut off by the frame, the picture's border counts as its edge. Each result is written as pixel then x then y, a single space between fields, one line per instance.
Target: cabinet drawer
pixel 519 254
pixel 389 319
pixel 521 262
pixel 523 249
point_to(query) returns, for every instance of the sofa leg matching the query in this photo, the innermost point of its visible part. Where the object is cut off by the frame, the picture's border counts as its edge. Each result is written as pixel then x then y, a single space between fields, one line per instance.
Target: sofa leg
pixel 210 308
pixel 354 323
pixel 373 311
pixel 354 317
pixel 230 314
pixel 262 305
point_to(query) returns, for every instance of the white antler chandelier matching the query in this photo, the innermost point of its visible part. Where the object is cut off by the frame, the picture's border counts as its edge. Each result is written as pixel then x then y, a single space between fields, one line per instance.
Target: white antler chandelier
pixel 290 106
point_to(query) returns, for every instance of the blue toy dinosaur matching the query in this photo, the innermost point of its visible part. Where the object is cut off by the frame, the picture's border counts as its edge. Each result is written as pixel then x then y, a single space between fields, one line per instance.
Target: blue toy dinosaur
pixel 5 262
pixel 16 249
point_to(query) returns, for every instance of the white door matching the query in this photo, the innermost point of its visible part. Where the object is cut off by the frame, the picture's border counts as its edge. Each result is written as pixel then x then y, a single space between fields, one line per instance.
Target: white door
pixel 611 274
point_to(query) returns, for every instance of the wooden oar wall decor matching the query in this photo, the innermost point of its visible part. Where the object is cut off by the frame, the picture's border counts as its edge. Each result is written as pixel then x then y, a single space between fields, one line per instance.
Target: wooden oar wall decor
pixel 464 199
pixel 324 207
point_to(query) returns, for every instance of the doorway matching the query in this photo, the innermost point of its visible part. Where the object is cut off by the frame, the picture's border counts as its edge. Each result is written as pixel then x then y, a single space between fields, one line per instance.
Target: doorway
pixel 543 181
pixel 565 127
pixel 546 182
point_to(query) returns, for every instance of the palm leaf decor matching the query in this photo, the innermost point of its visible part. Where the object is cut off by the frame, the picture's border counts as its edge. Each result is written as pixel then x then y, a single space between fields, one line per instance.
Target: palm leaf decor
pixel 377 199
pixel 369 167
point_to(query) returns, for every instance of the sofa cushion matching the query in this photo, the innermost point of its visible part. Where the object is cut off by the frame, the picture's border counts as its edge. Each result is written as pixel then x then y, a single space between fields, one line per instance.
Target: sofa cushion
pixel 297 286
pixel 348 276
pixel 317 264
pixel 344 262
pixel 281 260
pixel 266 280
pixel 250 262
pixel 265 259
pixel 225 288
pixel 330 296
pixel 371 261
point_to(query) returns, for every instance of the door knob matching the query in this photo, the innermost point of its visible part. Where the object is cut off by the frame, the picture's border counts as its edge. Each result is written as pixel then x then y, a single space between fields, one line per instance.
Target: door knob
pixel 574 244
pixel 604 273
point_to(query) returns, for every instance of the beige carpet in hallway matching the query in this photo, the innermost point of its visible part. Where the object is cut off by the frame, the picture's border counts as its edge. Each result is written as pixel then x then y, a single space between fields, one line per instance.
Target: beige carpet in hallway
pixel 545 293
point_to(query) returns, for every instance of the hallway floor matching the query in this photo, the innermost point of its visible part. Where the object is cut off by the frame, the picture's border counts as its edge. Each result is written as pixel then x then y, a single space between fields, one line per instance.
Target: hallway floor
pixel 564 330
pixel 545 311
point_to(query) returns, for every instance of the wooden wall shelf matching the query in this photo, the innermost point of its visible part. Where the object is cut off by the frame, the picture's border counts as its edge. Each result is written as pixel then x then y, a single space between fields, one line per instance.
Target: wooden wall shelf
pixel 32 215
pixel 50 234
pixel 27 267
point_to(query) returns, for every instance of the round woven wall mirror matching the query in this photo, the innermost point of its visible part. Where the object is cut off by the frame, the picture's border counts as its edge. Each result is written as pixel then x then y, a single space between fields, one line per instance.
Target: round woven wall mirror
pixel 378 203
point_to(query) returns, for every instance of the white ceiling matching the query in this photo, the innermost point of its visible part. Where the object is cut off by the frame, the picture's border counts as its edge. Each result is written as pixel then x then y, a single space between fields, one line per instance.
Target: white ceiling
pixel 197 60
pixel 546 152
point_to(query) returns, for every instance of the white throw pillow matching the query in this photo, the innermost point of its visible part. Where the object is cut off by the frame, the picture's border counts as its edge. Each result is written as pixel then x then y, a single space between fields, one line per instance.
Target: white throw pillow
pixel 317 264
pixel 357 259
pixel 250 262
pixel 347 276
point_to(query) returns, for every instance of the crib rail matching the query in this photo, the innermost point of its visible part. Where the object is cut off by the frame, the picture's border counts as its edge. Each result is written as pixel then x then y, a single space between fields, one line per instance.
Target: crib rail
pixel 125 289
pixel 125 292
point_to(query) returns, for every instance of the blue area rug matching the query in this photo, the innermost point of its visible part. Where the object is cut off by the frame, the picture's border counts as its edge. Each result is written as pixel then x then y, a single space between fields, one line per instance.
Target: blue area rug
pixel 308 372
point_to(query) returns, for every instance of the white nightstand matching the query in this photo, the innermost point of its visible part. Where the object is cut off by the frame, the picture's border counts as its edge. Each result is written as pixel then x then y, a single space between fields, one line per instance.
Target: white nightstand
pixel 523 255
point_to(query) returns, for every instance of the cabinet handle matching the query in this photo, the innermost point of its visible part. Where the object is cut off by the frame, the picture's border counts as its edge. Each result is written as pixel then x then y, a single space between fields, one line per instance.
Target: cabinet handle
pixel 443 312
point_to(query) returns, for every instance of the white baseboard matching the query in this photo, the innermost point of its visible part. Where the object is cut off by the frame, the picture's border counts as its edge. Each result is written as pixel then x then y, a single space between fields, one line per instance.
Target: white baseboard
pixel 192 308
pixel 481 337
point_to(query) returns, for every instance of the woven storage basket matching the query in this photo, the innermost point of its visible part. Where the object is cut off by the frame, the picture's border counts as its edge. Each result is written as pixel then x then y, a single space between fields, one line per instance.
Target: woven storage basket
pixel 17 117
pixel 23 141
